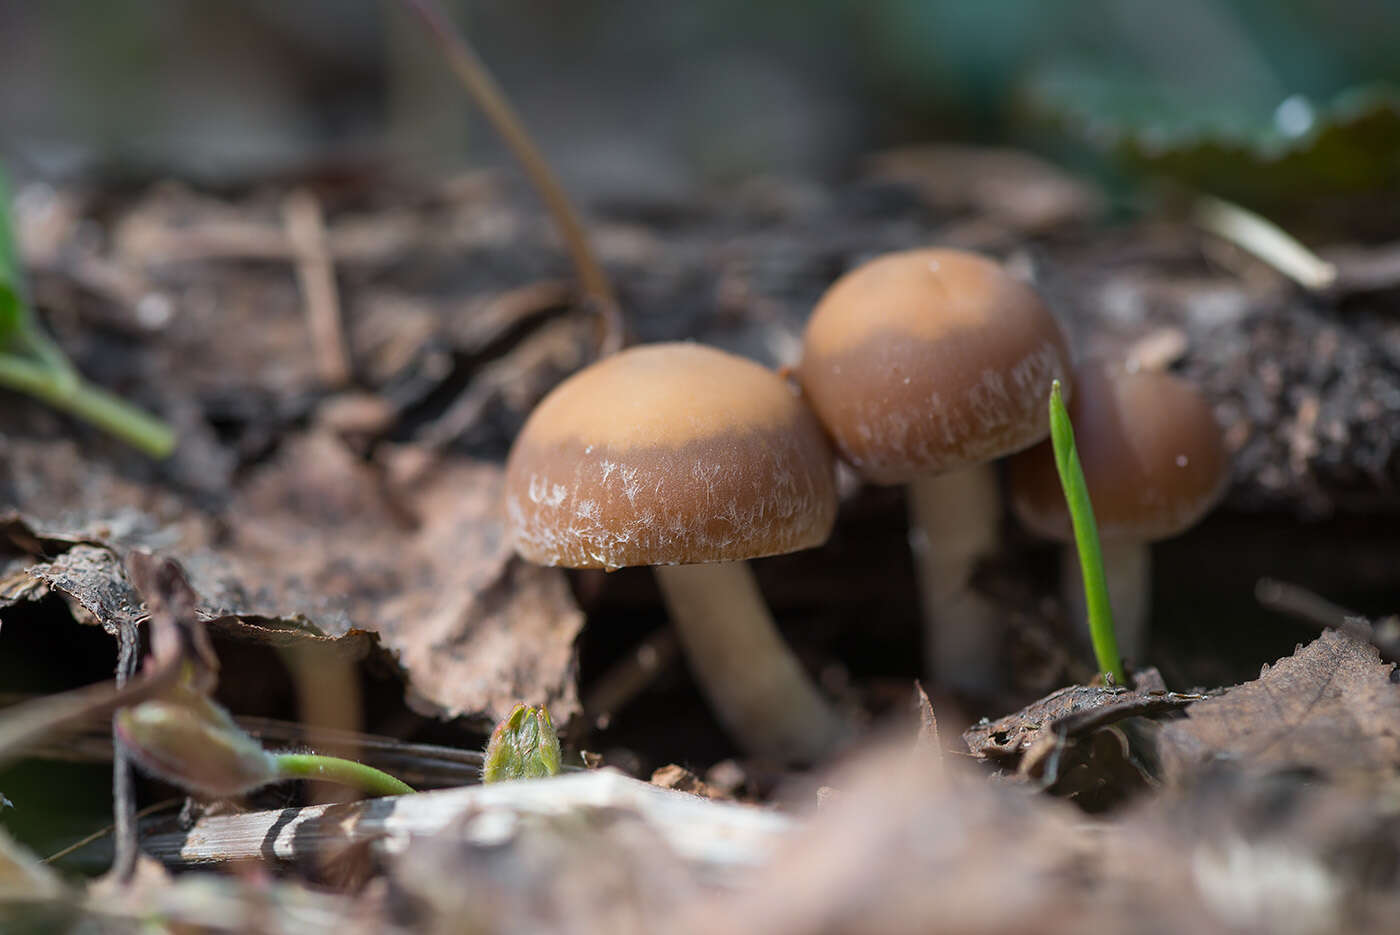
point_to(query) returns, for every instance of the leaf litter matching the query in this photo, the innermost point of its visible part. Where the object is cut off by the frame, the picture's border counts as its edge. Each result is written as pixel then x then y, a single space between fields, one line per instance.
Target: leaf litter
pixel 367 524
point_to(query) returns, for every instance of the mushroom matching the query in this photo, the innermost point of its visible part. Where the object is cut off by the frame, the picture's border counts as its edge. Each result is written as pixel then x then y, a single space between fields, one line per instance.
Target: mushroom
pixel 1154 461
pixel 924 366
pixel 692 460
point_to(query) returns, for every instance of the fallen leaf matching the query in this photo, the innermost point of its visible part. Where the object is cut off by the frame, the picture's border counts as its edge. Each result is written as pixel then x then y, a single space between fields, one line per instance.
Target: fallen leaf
pixel 476 631
pixel 318 551
pixel 1331 708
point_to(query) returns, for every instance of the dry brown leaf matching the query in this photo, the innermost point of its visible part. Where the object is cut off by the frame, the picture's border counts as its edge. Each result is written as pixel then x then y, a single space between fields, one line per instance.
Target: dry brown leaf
pixel 1331 708
pixel 475 630
pixel 317 549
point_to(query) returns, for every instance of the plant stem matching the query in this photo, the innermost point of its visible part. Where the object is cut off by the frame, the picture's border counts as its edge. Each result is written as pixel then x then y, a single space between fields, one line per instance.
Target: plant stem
pixel 472 71
pixel 65 390
pixel 1086 538
pixel 346 772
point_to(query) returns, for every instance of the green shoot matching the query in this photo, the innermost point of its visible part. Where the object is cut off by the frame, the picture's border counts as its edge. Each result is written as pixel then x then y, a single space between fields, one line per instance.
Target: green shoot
pixel 1086 538
pixel 31 363
pixel 523 746
pixel 374 782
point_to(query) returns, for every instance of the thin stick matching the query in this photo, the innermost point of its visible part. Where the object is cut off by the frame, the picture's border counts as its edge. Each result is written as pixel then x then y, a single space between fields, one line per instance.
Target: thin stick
pixel 100 833
pixel 630 676
pixel 475 77
pixel 1264 240
pixel 1086 538
pixel 1319 611
pixel 123 797
pixel 306 230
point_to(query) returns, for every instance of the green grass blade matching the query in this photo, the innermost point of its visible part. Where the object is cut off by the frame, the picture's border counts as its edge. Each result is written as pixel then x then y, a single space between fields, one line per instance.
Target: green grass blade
pixel 1086 539
pixel 12 308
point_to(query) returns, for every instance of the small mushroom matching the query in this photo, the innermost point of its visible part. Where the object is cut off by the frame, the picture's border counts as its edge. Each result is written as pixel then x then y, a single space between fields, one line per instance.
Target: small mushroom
pixel 692 460
pixel 925 366
pixel 1154 461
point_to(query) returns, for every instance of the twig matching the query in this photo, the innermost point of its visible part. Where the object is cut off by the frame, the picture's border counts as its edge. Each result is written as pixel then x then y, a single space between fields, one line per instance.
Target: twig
pixel 180 650
pixel 100 833
pixel 475 77
pixel 630 676
pixel 306 231
pixel 125 847
pixel 1305 605
pixel 1264 240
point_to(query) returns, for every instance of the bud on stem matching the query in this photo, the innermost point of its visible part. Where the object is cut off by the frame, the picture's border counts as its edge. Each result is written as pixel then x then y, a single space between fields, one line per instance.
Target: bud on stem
pixel 523 746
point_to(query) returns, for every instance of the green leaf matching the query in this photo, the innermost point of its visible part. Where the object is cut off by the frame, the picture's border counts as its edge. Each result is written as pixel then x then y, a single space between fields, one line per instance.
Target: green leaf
pixel 1285 151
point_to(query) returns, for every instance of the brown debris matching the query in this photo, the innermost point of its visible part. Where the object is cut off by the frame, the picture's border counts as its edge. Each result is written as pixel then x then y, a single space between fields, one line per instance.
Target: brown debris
pixel 1015 189
pixel 1015 734
pixel 928 738
pixel 675 776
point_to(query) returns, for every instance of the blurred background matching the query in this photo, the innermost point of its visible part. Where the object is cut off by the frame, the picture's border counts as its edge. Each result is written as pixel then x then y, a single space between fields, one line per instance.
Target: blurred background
pixel 635 100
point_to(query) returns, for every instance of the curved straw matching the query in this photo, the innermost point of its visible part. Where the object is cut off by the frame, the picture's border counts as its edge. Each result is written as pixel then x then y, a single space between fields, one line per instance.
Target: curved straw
pixel 468 67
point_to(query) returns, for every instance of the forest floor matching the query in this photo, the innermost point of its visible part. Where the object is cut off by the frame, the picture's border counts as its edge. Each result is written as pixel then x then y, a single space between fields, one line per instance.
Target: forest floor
pixel 346 359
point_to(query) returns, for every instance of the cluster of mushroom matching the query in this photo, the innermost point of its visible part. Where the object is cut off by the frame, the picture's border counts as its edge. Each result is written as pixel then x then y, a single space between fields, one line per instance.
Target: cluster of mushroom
pixel 922 367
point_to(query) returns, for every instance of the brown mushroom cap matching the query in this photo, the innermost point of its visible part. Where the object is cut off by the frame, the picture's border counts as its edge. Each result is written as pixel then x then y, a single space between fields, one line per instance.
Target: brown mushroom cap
pixel 931 360
pixel 1153 456
pixel 669 454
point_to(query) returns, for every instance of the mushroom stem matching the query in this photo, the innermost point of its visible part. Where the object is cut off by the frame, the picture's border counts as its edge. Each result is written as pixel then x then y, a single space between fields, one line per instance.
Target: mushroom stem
pixel 753 681
pixel 953 522
pixel 1127 571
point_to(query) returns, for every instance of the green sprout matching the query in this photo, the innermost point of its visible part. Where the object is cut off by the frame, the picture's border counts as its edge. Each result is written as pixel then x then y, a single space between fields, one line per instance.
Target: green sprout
pixel 192 742
pixel 32 363
pixel 1086 539
pixel 523 746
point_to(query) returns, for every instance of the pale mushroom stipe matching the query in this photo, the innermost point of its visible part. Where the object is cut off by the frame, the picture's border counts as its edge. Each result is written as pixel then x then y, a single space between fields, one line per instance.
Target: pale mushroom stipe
pixel 1155 463
pixel 692 460
pixel 925 366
